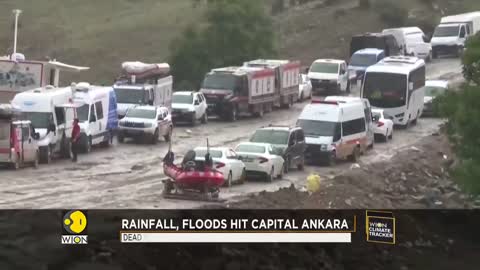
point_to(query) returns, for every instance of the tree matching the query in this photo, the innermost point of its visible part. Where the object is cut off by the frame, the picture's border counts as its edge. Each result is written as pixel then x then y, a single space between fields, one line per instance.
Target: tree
pixel 471 60
pixel 462 112
pixel 236 31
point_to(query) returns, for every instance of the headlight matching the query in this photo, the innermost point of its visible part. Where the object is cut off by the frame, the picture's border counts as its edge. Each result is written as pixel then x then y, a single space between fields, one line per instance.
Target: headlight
pixel 148 125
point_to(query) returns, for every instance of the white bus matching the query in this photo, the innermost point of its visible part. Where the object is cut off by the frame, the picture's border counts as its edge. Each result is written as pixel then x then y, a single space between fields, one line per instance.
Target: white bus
pixel 396 85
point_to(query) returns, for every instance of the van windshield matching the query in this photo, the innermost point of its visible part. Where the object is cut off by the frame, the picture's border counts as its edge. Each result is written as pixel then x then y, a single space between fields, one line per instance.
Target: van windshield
pixel 313 128
pixel 82 113
pixel 385 90
pixel 321 67
pixel 220 81
pixel 270 136
pixel 39 119
pixel 129 96
pixel 446 31
pixel 363 60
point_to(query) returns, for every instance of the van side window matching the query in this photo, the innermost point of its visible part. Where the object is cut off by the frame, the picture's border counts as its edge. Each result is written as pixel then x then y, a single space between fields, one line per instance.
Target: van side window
pixel 353 126
pixel 338 132
pixel 418 78
pixel 92 114
pixel 60 115
pixel 462 32
pixel 300 136
pixel 99 109
pixel 25 133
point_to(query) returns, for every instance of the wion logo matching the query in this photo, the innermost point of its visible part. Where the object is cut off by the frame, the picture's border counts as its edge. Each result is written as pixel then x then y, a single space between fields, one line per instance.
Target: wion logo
pixel 74 228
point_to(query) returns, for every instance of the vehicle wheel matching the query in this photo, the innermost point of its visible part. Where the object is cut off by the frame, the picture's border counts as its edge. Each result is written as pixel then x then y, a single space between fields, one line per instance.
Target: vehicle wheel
pixel 332 159
pixel 301 165
pixel 193 121
pixel 228 183
pixel 391 135
pixel 280 175
pixel 36 161
pixel 45 155
pixel 87 144
pixel 459 52
pixel 233 114
pixel 205 118
pixel 301 97
pixel 120 138
pixel 434 54
pixel 168 137
pixel 271 176
pixel 260 113
pixel 17 164
pixel 155 137
pixel 355 156
pixel 286 165
pixel 243 177
pixel 429 57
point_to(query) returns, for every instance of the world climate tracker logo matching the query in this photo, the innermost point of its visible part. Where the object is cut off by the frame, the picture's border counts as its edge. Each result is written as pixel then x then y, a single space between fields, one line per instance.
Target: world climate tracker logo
pixel 74 224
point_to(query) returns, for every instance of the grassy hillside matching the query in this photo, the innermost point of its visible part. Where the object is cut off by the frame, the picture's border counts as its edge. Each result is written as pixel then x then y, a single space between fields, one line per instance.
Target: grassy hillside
pixel 103 33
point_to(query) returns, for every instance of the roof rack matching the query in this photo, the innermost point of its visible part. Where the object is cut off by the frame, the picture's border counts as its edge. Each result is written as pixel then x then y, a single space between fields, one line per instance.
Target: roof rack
pixel 325 102
pixel 401 59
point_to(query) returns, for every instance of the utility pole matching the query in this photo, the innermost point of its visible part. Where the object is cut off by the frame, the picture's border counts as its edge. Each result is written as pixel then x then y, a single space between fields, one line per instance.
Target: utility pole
pixel 16 12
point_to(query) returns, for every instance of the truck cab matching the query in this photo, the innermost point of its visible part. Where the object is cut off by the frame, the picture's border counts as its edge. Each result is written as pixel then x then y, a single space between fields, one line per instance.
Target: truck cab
pixel 18 140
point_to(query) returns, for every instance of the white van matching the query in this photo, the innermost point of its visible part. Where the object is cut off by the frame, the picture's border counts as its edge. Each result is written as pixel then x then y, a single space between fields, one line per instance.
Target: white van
pixel 329 74
pixel 334 130
pixel 53 123
pixel 368 114
pixel 96 110
pixel 452 32
pixel 415 41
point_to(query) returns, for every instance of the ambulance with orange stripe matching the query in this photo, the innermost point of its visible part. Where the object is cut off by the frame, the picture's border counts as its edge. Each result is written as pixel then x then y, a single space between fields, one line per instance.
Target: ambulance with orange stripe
pixel 334 130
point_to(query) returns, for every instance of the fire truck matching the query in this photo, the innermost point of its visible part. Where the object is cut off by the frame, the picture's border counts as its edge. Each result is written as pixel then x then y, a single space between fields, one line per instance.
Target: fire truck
pixel 231 91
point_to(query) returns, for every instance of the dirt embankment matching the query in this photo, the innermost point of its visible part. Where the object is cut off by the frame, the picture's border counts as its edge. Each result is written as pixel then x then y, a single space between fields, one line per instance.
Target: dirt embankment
pixel 416 178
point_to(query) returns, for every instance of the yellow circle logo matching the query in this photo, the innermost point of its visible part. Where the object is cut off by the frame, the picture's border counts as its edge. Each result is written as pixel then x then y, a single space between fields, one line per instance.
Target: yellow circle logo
pixel 75 222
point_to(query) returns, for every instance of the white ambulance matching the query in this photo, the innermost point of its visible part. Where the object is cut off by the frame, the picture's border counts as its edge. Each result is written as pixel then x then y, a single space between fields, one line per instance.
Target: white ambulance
pixel 334 130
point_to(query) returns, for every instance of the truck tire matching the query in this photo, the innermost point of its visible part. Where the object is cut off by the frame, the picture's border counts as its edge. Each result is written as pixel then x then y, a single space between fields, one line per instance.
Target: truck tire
pixel 434 54
pixel 45 154
pixel 120 137
pixel 233 114
pixel 66 149
pixel 205 118
pixel 17 164
pixel 193 120
pixel 168 137
pixel 355 156
pixel 155 137
pixel 86 144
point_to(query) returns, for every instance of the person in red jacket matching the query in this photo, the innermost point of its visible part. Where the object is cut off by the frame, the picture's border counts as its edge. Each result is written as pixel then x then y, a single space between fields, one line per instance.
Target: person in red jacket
pixel 75 139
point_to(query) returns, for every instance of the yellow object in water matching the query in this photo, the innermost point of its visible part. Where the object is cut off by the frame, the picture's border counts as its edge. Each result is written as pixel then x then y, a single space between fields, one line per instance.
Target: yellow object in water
pixel 313 183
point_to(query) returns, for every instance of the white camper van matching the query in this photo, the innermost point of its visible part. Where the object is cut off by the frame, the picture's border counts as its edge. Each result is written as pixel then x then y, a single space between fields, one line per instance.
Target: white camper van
pixel 334 130
pixel 143 84
pixel 96 110
pixel 450 35
pixel 44 107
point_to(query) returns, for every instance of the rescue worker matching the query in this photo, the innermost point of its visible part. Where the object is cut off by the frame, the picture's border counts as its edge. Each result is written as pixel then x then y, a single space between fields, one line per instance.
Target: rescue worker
pixel 75 139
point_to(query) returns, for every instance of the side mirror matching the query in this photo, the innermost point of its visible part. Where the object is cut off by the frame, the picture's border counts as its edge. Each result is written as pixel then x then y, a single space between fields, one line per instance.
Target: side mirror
pixel 196 103
pixel 93 119
pixel 160 117
pixel 52 128
pixel 36 136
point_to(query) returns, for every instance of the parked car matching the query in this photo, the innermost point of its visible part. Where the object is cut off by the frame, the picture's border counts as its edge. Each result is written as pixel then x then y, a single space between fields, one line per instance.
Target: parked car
pixel 226 161
pixel 286 141
pixel 147 123
pixel 329 75
pixel 361 60
pixel 260 160
pixel 304 88
pixel 383 128
pixel 190 107
pixel 433 89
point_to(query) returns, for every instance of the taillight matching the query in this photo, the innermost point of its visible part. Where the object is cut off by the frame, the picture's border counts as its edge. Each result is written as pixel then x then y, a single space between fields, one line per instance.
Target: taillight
pixel 219 165
pixel 380 124
pixel 262 159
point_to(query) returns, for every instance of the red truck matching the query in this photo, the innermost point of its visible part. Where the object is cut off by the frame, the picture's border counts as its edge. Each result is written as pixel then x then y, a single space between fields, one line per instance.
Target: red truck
pixel 231 91
pixel 286 79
